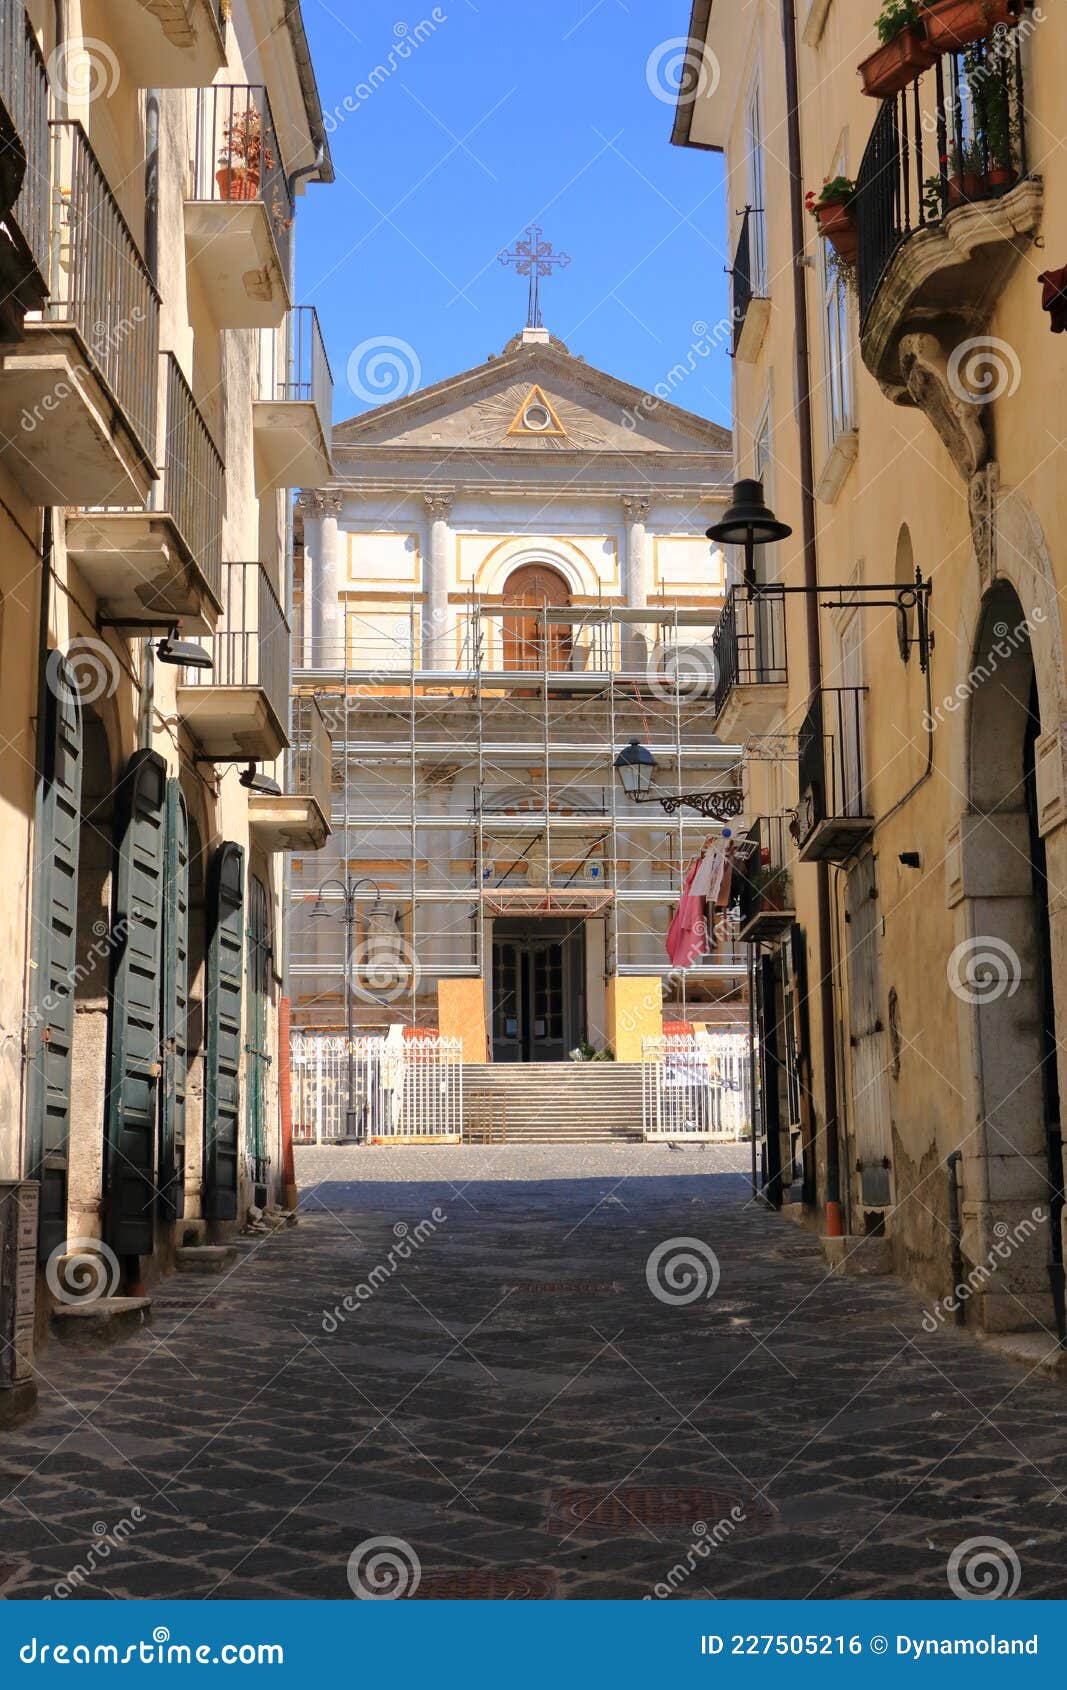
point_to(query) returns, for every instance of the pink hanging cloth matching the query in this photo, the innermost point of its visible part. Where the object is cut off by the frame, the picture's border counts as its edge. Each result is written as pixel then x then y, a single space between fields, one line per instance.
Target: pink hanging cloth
pixel 687 938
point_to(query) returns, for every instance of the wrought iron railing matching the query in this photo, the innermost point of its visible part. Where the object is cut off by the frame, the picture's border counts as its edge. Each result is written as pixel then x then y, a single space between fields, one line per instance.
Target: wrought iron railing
pixel 238 157
pixel 193 476
pixel 293 365
pixel 957 134
pixel 832 757
pixel 762 875
pixel 749 645
pixel 250 647
pixel 743 289
pixel 306 769
pixel 100 284
pixel 24 97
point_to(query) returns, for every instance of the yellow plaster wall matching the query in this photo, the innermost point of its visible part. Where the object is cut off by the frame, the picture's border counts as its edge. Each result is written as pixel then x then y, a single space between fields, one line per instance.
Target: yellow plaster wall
pixel 461 1015
pixel 634 1013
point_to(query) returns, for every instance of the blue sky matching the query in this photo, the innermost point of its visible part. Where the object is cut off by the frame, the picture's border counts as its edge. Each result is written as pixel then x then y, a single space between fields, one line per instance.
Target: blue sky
pixel 507 112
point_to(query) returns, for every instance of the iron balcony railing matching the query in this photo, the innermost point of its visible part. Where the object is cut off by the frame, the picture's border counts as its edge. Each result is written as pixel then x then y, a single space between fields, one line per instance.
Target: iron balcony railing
pixel 99 282
pixel 958 134
pixel 743 289
pixel 24 166
pixel 749 645
pixel 306 769
pixel 250 647
pixel 293 365
pixel 193 476
pixel 762 876
pixel 238 157
pixel 832 757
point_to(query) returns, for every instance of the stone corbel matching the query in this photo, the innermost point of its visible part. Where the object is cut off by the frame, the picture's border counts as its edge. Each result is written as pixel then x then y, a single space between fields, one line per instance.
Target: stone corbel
pixel 959 421
pixel 439 505
pixel 636 507
pixel 982 501
pixel 1050 776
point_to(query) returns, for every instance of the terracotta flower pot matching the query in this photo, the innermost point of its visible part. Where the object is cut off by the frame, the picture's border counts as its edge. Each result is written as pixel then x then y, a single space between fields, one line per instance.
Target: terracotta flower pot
pixel 837 221
pixel 896 64
pixel 952 24
pixel 236 182
pixel 969 186
pixel 1002 176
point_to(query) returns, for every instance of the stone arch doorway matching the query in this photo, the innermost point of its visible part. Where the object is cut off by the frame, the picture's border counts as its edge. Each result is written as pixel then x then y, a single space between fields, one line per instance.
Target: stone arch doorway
pixel 528 643
pixel 1013 1163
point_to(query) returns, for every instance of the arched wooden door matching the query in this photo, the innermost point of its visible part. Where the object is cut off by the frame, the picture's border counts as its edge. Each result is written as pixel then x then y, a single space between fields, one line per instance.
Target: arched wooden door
pixel 527 641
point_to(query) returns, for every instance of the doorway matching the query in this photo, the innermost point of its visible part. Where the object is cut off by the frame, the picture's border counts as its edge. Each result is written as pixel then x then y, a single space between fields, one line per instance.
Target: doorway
pixel 538 990
pixel 528 642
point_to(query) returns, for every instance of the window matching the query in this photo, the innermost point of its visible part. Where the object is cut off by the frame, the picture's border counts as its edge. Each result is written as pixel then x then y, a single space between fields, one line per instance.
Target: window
pixel 837 338
pixel 755 191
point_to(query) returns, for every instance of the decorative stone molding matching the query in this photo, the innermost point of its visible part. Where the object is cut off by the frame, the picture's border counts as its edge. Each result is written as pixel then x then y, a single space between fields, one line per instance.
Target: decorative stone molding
pixel 982 501
pixel 976 863
pixel 636 507
pixel 1050 774
pixel 321 503
pixel 834 473
pixel 960 423
pixel 439 505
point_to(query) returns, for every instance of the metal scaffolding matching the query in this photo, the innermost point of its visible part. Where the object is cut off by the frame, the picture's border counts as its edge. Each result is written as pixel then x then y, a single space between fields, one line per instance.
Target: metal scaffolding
pixel 486 790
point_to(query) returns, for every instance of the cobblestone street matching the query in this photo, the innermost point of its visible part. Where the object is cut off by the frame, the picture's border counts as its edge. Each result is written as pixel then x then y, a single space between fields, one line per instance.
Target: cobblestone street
pixel 517 1406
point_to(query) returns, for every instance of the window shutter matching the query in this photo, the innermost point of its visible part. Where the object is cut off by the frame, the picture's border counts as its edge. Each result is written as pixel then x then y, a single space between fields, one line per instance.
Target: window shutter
pixel 222 1078
pixel 175 1008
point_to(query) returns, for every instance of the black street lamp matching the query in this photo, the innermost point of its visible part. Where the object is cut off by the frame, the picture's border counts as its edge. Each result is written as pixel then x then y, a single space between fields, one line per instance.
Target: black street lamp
pixel 349 890
pixel 749 522
pixel 635 768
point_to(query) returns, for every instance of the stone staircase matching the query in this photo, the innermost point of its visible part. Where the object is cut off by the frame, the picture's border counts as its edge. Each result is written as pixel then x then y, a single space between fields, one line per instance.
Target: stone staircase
pixel 552 1102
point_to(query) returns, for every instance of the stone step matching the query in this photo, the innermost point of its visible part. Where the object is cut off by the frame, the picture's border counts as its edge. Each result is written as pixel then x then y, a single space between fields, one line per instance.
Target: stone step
pixel 204 1258
pixel 101 1322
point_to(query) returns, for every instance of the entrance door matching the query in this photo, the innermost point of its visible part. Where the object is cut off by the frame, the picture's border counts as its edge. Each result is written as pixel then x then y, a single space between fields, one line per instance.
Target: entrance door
pixel 538 991
pixel 528 643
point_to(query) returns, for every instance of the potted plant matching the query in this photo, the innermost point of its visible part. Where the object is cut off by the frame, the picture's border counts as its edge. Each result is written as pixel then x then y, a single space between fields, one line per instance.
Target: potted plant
pixel 995 119
pixel 242 156
pixel 952 24
pixel 965 163
pixel 904 54
pixel 771 887
pixel 834 211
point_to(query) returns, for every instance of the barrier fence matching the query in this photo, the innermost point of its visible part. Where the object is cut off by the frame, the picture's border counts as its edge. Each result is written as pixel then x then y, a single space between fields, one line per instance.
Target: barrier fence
pixel 697 1088
pixel 405 1089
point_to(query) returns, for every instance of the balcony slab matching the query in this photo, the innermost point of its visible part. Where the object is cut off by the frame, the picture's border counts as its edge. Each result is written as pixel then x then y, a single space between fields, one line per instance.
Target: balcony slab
pixel 67 441
pixel 291 446
pixel 750 708
pixel 232 724
pixel 167 43
pixel 138 566
pixel 232 251
pixel 287 822
pixel 753 330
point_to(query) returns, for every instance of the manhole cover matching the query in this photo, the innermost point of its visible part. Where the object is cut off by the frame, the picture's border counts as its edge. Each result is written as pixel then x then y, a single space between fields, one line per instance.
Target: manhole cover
pixel 567 1288
pixel 489 1584
pixel 638 1509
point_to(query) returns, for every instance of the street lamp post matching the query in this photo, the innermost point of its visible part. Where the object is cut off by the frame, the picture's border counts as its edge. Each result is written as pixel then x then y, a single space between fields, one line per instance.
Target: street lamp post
pixel 635 767
pixel 349 890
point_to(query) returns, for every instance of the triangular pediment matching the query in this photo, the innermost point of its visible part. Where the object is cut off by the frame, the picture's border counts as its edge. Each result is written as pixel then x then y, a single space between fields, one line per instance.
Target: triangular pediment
pixel 533 400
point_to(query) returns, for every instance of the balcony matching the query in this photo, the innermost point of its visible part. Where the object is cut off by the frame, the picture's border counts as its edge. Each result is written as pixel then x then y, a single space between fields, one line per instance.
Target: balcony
pixel 161 567
pixel 751 308
pixel 78 393
pixel 292 415
pixel 24 171
pixel 297 818
pixel 766 905
pixel 168 43
pixel 833 816
pixel 945 209
pixel 239 216
pixel 750 664
pixel 237 710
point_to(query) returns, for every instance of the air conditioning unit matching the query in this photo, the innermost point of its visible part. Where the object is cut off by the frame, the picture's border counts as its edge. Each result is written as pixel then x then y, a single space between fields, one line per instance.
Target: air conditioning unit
pixel 18 1278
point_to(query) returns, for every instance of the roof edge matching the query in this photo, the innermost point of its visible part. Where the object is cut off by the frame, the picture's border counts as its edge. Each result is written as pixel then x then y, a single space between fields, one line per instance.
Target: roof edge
pixel 682 132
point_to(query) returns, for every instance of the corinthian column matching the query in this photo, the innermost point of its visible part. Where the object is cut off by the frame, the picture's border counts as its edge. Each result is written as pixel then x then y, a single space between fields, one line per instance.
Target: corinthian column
pixel 324 617
pixel 436 573
pixel 635 580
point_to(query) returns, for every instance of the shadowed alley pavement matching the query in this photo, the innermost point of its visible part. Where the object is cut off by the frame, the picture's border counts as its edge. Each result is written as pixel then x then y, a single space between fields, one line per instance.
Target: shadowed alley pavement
pixel 518 1407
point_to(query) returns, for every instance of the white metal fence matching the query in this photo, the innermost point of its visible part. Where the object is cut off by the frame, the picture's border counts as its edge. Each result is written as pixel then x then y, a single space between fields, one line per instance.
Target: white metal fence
pixel 402 1088
pixel 697 1088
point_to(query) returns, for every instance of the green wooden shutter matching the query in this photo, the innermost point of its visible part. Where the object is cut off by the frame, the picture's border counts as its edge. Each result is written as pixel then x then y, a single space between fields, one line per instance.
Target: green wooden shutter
pixel 174 1008
pixel 55 934
pixel 222 1068
pixel 134 1022
pixel 260 971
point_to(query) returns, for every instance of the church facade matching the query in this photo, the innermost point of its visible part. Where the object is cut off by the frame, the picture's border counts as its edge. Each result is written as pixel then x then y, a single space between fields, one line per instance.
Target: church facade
pixel 505 586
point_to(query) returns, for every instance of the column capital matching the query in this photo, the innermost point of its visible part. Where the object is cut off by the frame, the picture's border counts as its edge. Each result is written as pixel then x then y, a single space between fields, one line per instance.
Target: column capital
pixel 320 503
pixel 636 506
pixel 439 504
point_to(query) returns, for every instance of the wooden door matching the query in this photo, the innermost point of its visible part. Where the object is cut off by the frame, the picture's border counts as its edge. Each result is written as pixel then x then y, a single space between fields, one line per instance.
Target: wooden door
pixel 528 642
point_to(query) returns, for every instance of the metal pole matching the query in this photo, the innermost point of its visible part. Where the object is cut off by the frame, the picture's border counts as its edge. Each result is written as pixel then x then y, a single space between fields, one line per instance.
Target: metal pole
pixel 351 1131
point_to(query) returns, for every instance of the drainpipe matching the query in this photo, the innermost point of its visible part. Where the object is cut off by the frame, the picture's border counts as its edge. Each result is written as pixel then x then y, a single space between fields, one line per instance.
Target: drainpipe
pixel 834 1225
pixel 151 258
pixel 953 1166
